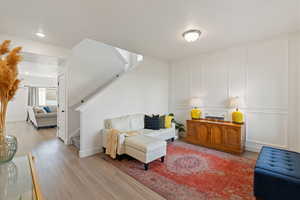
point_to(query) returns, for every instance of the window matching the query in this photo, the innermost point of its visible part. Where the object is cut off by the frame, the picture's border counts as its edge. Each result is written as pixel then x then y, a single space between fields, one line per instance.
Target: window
pixel 47 96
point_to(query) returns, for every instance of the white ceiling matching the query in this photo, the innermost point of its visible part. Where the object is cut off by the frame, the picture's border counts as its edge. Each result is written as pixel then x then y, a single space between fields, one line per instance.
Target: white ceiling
pixel 151 27
pixel 39 65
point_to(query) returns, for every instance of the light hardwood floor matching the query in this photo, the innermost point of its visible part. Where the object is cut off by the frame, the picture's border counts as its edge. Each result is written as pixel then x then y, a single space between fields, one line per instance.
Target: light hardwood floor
pixel 64 176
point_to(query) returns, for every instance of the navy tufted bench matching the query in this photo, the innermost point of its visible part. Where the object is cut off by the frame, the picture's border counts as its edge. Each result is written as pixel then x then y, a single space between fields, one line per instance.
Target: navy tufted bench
pixel 277 175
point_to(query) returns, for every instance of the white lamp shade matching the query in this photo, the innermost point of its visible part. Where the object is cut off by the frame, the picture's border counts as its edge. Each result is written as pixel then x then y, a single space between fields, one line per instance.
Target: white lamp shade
pixel 235 102
pixel 195 102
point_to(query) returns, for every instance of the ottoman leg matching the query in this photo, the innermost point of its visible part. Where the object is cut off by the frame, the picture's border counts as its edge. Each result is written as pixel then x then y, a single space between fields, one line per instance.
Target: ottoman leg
pixel 172 139
pixel 103 149
pixel 162 159
pixel 146 166
pixel 119 157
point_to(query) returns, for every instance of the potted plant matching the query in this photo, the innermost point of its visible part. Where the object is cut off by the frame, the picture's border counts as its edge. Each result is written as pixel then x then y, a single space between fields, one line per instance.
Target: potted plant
pixel 9 84
pixel 178 126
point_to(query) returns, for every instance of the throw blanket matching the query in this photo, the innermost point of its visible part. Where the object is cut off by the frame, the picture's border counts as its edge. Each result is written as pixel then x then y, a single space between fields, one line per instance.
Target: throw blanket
pixel 112 142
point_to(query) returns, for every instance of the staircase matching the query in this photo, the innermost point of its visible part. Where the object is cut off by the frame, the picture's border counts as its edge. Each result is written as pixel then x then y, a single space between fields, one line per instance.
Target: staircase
pixel 75 140
pixel 93 66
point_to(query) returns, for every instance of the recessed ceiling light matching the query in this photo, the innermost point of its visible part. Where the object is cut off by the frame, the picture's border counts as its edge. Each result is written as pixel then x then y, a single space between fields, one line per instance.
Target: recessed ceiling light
pixel 40 34
pixel 26 73
pixel 191 35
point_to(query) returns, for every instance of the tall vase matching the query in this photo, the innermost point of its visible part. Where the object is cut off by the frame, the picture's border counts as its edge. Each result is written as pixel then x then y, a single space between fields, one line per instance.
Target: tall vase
pixel 9 84
pixel 8 147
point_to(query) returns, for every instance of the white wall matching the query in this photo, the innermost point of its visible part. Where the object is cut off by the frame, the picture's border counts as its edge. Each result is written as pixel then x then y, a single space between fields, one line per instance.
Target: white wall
pixel 294 92
pixel 143 90
pixel 264 73
pixel 16 110
pixel 17 107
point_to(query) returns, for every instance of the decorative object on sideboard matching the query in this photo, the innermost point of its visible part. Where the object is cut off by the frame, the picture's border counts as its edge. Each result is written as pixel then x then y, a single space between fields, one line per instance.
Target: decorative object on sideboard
pixel 214 116
pixel 237 115
pixel 9 83
pixel 196 112
pixel 178 126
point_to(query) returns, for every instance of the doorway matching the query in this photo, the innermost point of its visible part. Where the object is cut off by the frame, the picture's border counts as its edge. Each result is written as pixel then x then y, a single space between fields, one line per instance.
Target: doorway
pixel 61 108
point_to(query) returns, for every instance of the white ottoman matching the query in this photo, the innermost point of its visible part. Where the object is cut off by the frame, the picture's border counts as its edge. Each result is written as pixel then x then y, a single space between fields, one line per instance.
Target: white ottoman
pixel 145 149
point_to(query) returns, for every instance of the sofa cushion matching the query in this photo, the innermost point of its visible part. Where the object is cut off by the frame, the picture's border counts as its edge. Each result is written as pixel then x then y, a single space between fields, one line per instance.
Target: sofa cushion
pixel 46 115
pixel 144 143
pixel 164 134
pixel 136 121
pixel 120 123
pixel 38 110
pixel 53 108
pixel 152 122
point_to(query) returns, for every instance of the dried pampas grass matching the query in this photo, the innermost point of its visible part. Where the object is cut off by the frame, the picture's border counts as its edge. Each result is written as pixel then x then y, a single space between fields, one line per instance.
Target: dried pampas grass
pixel 9 83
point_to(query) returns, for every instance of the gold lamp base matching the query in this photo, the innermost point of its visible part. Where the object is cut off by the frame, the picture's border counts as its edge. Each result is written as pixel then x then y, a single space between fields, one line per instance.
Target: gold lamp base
pixel 196 113
pixel 237 117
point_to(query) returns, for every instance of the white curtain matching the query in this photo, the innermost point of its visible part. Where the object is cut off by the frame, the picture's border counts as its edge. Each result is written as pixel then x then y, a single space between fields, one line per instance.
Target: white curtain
pixel 33 96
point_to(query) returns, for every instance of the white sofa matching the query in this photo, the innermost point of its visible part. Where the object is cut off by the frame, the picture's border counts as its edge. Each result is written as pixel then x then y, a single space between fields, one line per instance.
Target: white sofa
pixel 44 119
pixel 147 146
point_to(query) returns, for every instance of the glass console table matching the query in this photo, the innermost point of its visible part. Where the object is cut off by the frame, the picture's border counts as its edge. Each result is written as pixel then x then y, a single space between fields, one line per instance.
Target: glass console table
pixel 18 180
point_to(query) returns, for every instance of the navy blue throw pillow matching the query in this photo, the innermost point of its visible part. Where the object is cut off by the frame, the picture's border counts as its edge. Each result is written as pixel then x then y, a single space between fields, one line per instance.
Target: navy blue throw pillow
pixel 47 109
pixel 151 122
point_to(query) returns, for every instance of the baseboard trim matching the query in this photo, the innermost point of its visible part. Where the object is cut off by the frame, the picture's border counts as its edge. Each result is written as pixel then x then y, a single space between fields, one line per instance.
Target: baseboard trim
pixel 89 152
pixel 255 146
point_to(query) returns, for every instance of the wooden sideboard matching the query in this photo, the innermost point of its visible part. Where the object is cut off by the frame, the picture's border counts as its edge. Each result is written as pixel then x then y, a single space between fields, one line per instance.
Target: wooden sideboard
pixel 220 135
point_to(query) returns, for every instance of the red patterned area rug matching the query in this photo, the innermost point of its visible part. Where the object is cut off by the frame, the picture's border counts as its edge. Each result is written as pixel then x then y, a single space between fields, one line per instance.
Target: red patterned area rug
pixel 191 172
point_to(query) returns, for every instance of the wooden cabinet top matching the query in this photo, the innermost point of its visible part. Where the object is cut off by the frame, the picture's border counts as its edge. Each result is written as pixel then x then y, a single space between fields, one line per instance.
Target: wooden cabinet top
pixel 218 122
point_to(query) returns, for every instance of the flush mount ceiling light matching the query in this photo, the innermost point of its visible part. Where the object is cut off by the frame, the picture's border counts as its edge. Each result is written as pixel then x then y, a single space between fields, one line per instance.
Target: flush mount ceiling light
pixel 191 35
pixel 40 34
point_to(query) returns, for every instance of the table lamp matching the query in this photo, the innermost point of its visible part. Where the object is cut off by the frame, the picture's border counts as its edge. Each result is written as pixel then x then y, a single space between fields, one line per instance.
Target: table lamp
pixel 237 116
pixel 195 112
